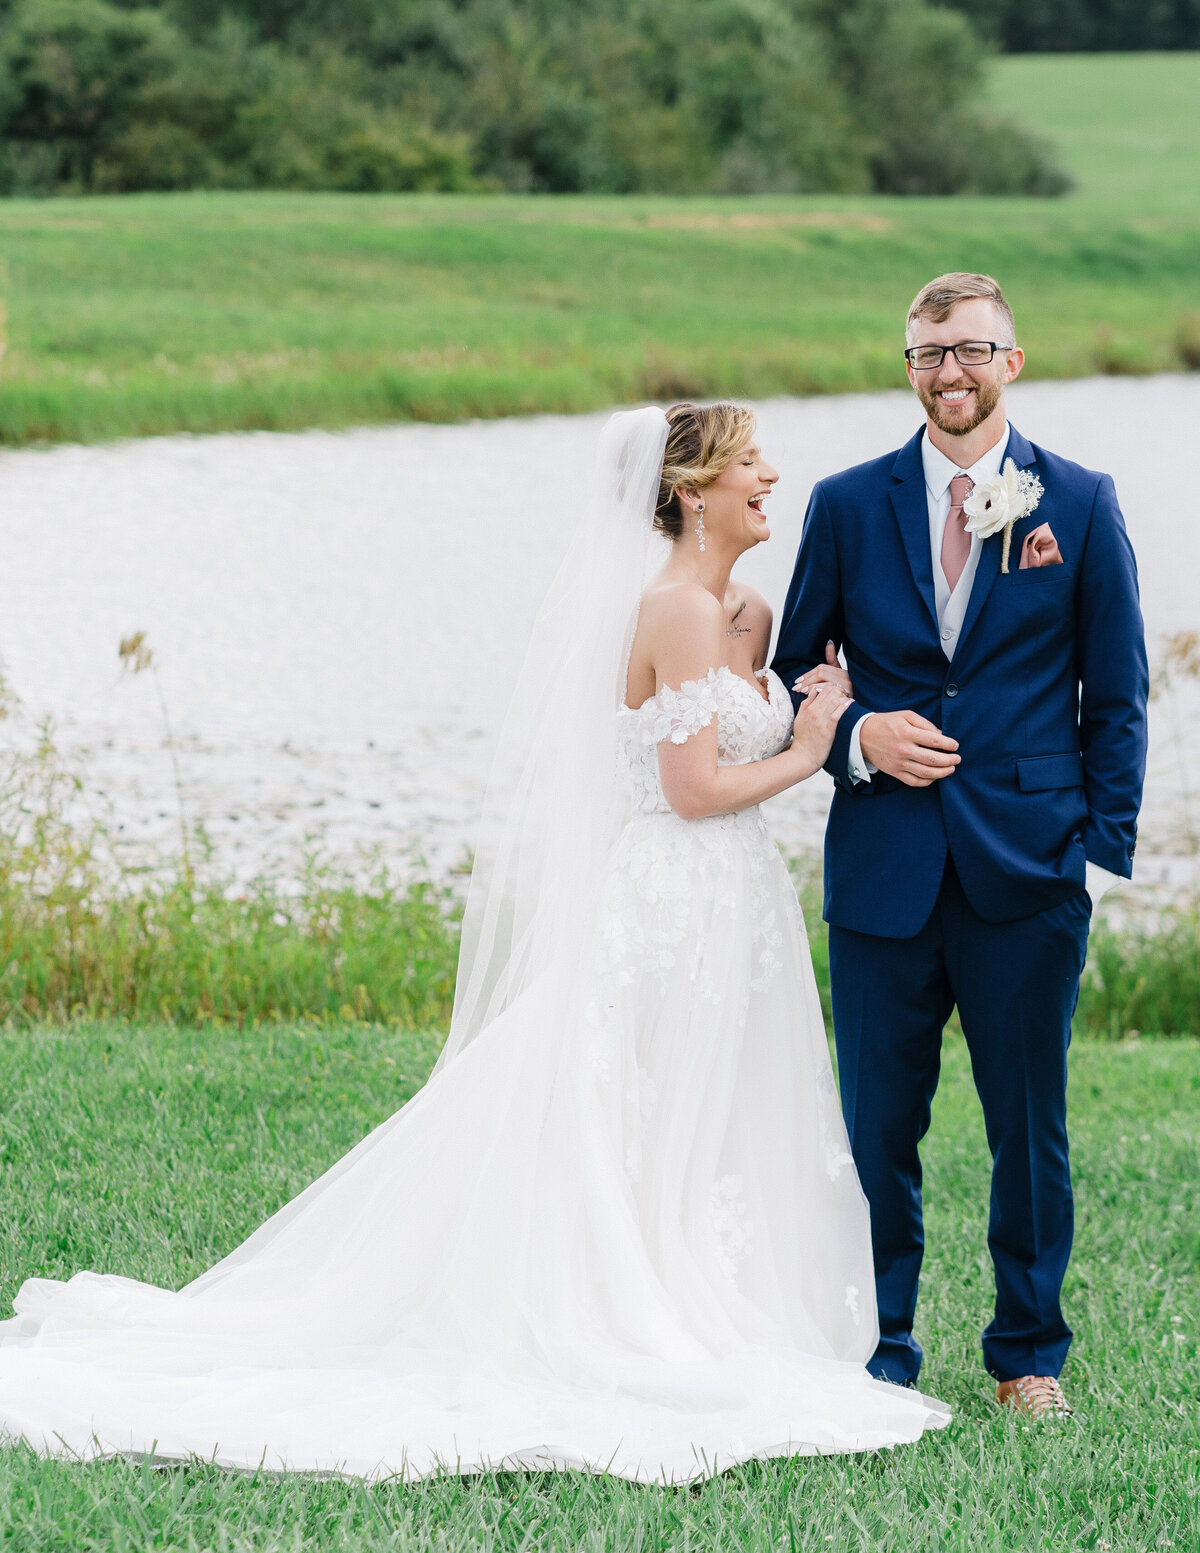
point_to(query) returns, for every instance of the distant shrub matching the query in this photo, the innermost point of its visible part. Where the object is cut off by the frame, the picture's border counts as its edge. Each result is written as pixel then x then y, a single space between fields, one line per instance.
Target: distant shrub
pixel 1187 341
pixel 30 167
pixel 380 158
pixel 154 155
pixel 308 124
pixel 917 76
pixel 961 154
pixel 1122 357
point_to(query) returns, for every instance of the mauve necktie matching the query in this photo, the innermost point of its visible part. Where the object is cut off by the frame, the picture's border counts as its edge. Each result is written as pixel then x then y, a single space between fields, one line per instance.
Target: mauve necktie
pixel 956 542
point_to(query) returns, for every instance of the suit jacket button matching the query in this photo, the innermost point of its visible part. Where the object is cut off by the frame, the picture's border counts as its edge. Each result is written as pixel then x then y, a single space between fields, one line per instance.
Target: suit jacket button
pixel 951 690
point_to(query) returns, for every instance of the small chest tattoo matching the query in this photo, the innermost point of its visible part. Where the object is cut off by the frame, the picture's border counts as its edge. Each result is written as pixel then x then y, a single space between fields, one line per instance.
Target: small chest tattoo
pixel 733 629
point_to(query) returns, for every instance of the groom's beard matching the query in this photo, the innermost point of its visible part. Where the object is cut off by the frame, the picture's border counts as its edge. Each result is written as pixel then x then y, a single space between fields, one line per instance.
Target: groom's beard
pixel 987 397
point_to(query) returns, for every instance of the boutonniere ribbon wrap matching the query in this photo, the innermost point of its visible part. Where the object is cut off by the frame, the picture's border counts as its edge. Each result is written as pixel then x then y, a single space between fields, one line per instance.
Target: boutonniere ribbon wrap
pixel 997 505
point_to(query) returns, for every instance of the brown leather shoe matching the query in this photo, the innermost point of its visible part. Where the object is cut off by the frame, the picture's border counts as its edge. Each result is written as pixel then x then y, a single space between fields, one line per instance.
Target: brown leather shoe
pixel 1036 1396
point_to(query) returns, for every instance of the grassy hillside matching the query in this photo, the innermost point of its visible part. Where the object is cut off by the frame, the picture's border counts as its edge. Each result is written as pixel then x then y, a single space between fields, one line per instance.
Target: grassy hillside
pixel 1126 125
pixel 143 314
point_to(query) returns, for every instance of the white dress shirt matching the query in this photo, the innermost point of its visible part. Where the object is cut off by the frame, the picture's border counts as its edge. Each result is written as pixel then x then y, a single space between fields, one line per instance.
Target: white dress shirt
pixel 951 603
pixel 939 471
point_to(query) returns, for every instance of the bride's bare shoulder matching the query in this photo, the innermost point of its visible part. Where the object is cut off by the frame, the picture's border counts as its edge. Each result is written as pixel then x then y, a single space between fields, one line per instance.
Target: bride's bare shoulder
pixel 670 607
pixel 679 637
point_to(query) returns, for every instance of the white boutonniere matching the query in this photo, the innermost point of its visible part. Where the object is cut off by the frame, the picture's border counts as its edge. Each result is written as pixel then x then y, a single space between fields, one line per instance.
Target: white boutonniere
pixel 1000 503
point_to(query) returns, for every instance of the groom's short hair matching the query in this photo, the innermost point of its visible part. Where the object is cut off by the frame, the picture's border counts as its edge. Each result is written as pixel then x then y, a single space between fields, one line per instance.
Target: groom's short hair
pixel 938 299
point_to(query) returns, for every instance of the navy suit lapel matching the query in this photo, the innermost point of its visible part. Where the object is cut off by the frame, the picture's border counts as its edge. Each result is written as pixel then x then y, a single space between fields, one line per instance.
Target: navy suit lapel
pixel 912 513
pixel 1022 454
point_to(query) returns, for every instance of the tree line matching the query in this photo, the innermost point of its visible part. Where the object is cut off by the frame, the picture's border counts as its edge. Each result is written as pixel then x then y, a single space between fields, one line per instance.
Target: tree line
pixel 1085 26
pixel 685 96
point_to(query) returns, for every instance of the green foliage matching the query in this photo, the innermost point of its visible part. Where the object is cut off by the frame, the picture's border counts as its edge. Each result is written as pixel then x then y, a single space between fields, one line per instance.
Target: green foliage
pixel 916 75
pixel 307 124
pixel 722 95
pixel 71 72
pixel 97 97
pixel 151 1151
pixel 705 96
pixel 81 937
pixel 1144 978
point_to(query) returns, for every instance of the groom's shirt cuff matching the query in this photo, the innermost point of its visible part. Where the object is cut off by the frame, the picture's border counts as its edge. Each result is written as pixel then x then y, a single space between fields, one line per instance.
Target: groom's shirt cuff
pixel 1097 881
pixel 859 767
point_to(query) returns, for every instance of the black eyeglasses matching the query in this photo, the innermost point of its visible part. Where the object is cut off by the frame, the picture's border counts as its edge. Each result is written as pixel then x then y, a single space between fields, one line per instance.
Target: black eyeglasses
pixel 968 353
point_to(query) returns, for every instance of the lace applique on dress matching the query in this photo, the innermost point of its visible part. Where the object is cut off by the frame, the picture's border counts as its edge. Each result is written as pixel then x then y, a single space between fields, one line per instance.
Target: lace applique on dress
pixel 641 1097
pixel 670 716
pixel 767 939
pixel 680 714
pixel 731 1224
pixel 749 727
pixel 831 1129
pixel 664 863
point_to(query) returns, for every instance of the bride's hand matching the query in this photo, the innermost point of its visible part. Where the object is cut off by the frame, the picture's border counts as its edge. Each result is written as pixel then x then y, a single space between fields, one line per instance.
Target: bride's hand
pixel 828 673
pixel 816 723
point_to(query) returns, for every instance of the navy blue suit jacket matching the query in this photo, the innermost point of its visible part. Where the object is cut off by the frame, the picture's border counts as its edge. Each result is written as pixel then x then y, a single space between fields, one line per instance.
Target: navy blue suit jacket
pixel 1046 694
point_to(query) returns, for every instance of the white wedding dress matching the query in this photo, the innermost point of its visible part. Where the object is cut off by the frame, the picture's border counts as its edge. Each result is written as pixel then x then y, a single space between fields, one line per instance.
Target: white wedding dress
pixel 630 1239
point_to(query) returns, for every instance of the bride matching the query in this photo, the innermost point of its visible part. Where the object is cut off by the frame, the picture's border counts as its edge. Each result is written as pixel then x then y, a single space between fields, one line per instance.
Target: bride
pixel 619 1229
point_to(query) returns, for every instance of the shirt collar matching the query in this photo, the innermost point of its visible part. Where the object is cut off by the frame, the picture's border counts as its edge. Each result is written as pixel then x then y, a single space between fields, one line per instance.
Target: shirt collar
pixel 939 471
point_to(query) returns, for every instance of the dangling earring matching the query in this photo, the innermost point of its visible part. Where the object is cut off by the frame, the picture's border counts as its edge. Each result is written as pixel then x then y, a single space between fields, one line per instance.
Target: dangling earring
pixel 700 523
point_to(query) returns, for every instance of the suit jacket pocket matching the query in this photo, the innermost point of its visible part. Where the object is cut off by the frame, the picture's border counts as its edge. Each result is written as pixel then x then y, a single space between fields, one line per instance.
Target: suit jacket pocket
pixel 1037 773
pixel 1044 576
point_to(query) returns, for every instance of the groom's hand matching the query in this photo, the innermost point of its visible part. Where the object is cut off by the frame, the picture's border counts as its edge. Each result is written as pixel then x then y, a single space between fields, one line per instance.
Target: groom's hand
pixel 908 747
pixel 828 673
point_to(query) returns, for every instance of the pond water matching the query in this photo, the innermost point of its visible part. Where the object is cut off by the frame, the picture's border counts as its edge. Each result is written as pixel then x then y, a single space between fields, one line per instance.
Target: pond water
pixel 337 618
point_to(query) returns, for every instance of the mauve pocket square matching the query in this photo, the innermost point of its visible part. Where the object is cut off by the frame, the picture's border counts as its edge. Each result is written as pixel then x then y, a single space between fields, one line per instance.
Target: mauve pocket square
pixel 1040 549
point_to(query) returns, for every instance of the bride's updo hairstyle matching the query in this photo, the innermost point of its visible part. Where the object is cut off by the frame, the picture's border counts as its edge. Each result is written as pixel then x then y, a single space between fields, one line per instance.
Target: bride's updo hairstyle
pixel 702 442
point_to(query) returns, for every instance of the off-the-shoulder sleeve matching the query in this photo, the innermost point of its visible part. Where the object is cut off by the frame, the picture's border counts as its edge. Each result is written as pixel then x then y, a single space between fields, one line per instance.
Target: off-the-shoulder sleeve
pixel 681 713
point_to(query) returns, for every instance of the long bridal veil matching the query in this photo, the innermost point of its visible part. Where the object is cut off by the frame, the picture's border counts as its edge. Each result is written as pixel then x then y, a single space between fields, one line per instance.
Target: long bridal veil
pixel 553 806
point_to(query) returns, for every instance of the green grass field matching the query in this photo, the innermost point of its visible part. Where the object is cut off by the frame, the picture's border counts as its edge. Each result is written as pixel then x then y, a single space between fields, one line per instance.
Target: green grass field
pixel 144 314
pixel 1125 124
pixel 150 1152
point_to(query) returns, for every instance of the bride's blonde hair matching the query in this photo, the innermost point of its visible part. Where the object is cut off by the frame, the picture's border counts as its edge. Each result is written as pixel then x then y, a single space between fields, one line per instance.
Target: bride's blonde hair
pixel 702 442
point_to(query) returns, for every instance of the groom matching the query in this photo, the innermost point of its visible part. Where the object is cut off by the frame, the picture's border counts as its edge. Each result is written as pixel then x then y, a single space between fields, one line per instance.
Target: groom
pixel 988 777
